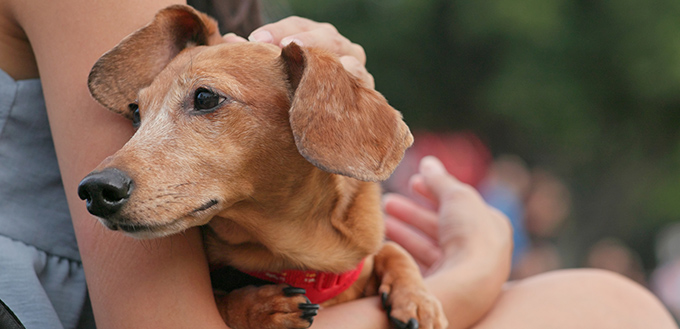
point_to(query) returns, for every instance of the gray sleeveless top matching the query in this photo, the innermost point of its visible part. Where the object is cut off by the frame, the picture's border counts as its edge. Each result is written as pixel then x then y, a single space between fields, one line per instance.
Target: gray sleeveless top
pixel 33 206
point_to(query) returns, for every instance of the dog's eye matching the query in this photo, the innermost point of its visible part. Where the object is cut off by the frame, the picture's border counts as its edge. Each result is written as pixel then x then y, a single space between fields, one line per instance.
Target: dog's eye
pixel 136 120
pixel 206 100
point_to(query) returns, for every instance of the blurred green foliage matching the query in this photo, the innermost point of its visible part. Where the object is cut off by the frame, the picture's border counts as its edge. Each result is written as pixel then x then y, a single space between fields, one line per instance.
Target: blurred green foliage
pixel 587 88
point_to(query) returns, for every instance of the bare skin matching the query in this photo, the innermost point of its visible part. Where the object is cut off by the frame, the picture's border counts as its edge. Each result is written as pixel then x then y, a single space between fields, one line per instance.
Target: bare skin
pixel 465 244
pixel 59 41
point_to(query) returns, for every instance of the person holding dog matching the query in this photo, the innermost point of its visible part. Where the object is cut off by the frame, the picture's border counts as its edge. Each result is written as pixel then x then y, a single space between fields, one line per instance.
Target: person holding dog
pixel 52 133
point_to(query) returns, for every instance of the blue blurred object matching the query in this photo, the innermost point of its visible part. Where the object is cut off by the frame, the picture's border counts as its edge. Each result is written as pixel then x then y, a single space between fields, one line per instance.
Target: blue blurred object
pixel 505 199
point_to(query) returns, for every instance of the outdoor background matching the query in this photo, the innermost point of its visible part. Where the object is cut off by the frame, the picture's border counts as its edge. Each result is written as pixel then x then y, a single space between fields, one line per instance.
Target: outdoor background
pixel 584 91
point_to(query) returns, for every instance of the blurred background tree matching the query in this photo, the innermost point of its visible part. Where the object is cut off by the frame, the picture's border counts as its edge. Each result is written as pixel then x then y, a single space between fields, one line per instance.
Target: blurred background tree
pixel 589 89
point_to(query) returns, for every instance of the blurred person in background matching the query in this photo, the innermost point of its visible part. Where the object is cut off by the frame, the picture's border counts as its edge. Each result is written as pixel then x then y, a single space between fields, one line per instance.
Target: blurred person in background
pixel 665 280
pixel 613 255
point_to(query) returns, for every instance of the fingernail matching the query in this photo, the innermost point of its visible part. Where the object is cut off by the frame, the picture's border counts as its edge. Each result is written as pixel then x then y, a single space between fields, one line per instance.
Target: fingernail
pixel 431 165
pixel 232 37
pixel 351 64
pixel 385 199
pixel 287 41
pixel 261 36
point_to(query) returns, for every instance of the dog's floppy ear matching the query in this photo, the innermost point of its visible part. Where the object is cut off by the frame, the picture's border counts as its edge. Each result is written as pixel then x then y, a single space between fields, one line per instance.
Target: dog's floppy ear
pixel 119 74
pixel 339 125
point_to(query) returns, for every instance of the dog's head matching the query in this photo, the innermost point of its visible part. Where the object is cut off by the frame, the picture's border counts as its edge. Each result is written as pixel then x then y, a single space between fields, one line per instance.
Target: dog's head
pixel 219 123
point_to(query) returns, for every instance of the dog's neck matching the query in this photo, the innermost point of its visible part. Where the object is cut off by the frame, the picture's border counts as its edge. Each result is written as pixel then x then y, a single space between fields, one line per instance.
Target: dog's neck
pixel 319 221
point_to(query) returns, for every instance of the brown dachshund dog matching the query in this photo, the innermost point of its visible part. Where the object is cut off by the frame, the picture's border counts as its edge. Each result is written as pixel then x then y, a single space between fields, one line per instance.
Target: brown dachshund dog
pixel 274 153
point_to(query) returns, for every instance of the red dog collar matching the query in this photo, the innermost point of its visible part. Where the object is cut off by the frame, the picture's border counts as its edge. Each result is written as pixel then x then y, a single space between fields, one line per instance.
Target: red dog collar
pixel 319 286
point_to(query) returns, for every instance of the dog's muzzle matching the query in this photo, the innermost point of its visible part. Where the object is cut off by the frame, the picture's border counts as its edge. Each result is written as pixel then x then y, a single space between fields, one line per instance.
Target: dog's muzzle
pixel 106 191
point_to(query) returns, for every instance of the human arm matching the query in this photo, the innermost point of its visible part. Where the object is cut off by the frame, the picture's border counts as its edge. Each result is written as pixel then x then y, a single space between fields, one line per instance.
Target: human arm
pixel 161 283
pixel 464 247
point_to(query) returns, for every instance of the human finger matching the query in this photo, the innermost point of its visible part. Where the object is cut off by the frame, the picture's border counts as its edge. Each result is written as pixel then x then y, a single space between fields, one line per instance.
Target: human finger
pixel 354 67
pixel 306 32
pixel 232 37
pixel 328 38
pixel 442 185
pixel 274 32
pixel 423 250
pixel 417 185
pixel 412 214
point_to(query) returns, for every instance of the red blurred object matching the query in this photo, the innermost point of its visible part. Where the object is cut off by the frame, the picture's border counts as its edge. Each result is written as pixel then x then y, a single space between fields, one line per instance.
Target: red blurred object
pixel 464 155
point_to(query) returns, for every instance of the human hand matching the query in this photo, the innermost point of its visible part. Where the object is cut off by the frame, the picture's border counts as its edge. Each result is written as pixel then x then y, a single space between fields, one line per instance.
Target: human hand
pixel 463 229
pixel 308 33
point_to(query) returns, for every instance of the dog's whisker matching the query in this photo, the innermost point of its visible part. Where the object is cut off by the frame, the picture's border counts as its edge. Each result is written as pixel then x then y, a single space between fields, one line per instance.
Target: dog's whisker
pixel 143 244
pixel 172 194
pixel 166 202
pixel 180 185
pixel 158 243
pixel 99 226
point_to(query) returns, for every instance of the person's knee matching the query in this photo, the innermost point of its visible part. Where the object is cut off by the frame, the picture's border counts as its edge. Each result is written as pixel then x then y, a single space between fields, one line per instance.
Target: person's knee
pixel 579 298
pixel 595 283
pixel 609 293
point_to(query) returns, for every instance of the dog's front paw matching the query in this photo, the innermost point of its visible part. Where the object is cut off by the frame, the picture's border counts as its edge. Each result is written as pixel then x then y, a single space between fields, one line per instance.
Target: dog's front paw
pixel 412 308
pixel 267 307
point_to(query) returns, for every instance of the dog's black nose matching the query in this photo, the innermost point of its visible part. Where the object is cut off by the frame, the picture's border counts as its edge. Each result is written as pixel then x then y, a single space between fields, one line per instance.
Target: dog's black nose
pixel 106 191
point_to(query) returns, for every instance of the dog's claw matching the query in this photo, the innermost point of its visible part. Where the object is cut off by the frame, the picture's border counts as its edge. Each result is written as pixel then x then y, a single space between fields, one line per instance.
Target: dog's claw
pixel 309 307
pixel 411 324
pixel 384 298
pixel 292 291
pixel 309 311
pixel 397 323
pixel 309 315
